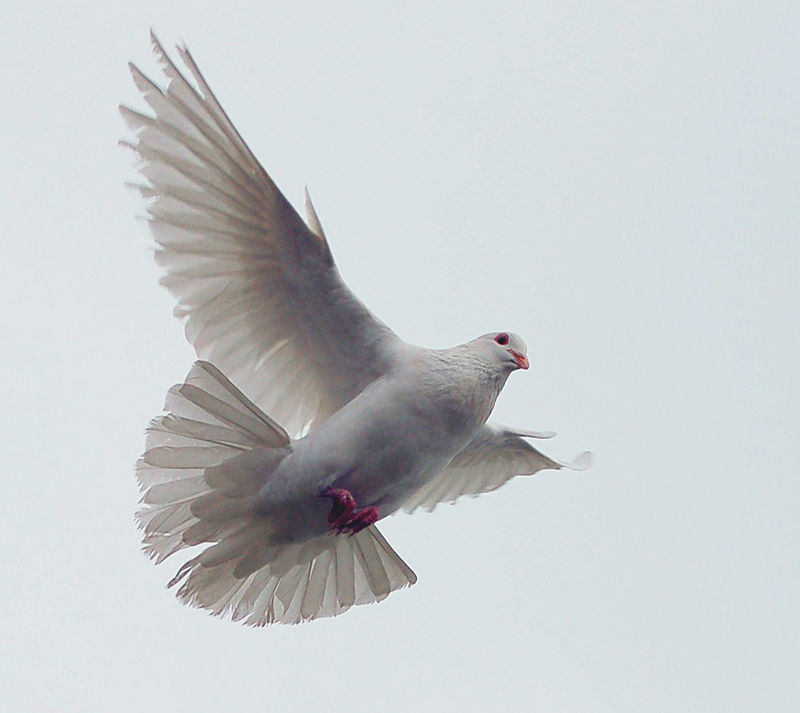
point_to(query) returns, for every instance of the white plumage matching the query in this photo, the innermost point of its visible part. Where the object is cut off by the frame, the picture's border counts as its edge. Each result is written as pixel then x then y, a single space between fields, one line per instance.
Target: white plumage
pixel 280 508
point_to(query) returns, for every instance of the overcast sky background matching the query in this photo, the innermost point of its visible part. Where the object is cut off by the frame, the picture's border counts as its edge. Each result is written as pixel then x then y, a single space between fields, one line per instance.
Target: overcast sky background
pixel 615 181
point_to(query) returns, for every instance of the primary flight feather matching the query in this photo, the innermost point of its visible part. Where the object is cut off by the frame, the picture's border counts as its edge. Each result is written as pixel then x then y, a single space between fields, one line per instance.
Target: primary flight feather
pixel 281 508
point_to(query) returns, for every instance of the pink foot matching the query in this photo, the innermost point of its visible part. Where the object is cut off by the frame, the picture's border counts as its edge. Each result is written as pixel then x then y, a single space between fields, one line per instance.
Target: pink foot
pixel 343 518
pixel 343 505
pixel 363 518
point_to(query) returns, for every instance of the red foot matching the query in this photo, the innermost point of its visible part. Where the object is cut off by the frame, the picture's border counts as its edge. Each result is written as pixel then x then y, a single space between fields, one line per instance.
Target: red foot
pixel 343 518
pixel 363 518
pixel 343 505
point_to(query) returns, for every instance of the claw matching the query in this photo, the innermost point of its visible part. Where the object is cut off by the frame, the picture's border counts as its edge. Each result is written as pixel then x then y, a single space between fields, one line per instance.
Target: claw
pixel 363 518
pixel 343 518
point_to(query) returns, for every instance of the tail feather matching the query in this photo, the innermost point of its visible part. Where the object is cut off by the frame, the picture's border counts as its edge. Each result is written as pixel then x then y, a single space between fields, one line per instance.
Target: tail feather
pixel 323 577
pixel 205 461
pixel 211 531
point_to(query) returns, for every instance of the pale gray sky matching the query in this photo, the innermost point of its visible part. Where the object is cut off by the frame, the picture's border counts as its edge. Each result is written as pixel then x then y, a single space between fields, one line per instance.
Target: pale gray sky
pixel 615 181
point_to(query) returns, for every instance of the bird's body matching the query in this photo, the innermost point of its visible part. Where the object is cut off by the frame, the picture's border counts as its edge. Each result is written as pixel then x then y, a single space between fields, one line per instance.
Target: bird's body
pixel 343 423
pixel 374 446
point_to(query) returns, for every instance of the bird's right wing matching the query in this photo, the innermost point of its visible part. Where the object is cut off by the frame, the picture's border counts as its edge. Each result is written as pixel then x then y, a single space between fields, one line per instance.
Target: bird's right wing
pixel 259 289
pixel 489 460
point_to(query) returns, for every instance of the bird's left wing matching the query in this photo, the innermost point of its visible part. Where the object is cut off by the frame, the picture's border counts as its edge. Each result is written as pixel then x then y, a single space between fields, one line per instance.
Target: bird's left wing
pixel 489 460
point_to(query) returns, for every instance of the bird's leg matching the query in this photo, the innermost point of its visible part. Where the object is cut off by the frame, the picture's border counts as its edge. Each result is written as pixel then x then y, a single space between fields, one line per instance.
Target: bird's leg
pixel 343 506
pixel 343 517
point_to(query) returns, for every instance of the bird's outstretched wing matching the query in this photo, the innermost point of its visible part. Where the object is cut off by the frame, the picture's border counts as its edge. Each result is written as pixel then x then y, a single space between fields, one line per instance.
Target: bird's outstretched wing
pixel 259 289
pixel 490 460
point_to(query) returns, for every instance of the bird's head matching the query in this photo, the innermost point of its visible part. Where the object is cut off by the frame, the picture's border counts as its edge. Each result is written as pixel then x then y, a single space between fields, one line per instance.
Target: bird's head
pixel 505 349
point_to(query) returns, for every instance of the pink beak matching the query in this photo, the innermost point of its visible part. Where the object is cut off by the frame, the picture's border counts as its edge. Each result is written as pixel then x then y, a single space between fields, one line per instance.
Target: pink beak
pixel 520 358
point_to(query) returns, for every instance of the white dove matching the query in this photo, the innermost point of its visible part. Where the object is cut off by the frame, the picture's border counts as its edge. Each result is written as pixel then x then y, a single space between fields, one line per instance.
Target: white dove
pixel 286 514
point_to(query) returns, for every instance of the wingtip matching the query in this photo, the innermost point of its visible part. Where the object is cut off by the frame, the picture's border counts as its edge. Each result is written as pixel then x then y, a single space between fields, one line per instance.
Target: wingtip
pixel 142 82
pixel 544 435
pixel 582 462
pixel 157 46
pixel 526 432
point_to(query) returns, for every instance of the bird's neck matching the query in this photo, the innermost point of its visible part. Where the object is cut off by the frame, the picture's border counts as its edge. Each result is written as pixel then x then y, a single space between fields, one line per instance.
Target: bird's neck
pixel 467 384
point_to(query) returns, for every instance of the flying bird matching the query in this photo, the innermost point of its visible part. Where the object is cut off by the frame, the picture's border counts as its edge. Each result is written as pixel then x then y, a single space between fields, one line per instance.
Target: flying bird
pixel 307 419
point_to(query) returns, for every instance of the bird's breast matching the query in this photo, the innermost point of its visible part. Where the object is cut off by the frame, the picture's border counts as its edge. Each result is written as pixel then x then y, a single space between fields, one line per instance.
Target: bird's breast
pixel 389 441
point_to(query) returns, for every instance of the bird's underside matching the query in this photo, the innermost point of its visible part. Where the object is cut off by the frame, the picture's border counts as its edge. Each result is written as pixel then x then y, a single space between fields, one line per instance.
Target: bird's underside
pixel 269 461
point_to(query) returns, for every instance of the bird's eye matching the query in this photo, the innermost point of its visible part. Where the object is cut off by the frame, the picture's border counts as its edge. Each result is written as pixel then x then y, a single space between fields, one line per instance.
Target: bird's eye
pixel 501 339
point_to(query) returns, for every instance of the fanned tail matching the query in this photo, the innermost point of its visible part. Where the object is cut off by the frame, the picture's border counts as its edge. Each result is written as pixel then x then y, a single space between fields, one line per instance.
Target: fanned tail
pixel 205 461
pixel 319 578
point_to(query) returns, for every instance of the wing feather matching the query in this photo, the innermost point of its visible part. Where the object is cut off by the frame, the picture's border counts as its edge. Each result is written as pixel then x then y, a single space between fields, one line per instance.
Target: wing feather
pixel 258 288
pixel 490 460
